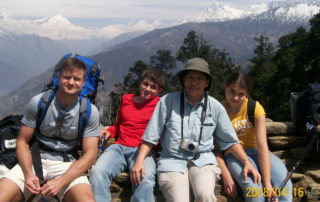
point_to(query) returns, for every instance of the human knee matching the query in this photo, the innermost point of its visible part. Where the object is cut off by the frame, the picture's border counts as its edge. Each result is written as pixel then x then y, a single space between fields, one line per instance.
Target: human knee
pixel 204 193
pixel 145 188
pixel 253 192
pixel 9 191
pixel 205 196
pixel 149 178
pixel 84 198
pixel 98 173
pixel 147 184
pixel 79 192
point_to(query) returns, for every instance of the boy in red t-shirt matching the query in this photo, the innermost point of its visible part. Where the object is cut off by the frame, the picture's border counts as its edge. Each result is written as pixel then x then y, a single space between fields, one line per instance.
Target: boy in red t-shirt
pixel 133 116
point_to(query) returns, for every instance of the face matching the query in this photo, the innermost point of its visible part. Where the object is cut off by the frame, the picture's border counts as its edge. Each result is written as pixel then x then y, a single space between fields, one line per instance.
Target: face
pixel 195 83
pixel 235 95
pixel 149 89
pixel 71 81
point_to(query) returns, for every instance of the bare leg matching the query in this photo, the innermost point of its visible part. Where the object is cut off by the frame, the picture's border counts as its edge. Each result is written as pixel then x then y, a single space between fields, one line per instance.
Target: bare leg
pixel 78 193
pixel 9 191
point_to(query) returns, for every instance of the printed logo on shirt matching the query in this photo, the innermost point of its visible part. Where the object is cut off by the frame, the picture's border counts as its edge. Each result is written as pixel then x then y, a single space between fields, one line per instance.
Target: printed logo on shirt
pixel 241 125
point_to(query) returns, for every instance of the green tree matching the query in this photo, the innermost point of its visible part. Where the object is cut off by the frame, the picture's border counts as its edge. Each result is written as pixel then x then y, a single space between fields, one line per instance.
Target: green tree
pixel 131 81
pixel 261 71
pixel 130 85
pixel 164 61
pixel 220 64
pixel 115 99
pixel 312 66
pixel 297 63
pixel 190 48
pixel 289 75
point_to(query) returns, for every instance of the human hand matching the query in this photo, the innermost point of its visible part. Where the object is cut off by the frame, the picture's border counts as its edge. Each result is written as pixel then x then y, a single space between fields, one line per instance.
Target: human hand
pixel 104 133
pixel 249 168
pixel 318 128
pixel 230 186
pixel 137 169
pixel 270 191
pixel 32 183
pixel 52 187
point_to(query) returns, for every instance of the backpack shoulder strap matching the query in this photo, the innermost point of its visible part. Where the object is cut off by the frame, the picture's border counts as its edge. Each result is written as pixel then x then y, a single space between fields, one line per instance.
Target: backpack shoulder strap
pixel 44 104
pixel 84 115
pixel 251 109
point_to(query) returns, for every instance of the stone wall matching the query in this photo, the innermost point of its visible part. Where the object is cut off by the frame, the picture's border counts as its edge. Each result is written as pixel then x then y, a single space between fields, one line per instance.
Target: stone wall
pixel 283 141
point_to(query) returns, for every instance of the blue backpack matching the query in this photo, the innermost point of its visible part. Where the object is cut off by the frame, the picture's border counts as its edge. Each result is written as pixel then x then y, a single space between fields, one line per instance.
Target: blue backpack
pixel 87 95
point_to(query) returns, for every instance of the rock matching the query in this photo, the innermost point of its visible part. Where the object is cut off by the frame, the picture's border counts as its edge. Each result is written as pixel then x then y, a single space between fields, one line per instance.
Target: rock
pixel 306 188
pixel 280 128
pixel 314 172
pixel 296 177
pixel 115 188
pixel 282 154
pixel 123 178
pixel 269 120
pixel 296 152
pixel 285 142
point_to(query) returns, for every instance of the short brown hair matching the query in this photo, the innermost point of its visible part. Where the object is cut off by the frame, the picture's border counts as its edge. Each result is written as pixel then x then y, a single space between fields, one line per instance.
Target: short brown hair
pixel 73 63
pixel 154 75
pixel 240 78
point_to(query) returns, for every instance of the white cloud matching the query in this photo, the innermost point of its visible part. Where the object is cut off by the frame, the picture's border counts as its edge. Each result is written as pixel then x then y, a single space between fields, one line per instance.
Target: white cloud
pixel 118 16
pixel 135 9
pixel 58 27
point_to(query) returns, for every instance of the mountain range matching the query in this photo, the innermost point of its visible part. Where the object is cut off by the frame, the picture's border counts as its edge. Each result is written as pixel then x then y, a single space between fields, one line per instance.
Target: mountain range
pixel 291 11
pixel 233 33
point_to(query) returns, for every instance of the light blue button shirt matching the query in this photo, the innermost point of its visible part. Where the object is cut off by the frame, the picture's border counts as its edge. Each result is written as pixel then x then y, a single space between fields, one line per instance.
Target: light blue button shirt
pixel 165 124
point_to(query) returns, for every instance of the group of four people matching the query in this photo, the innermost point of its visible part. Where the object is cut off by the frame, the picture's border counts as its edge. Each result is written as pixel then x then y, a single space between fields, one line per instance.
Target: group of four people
pixel 188 124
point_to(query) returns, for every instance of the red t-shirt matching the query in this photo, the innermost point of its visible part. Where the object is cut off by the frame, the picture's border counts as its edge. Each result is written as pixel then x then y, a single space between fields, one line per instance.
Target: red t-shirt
pixel 132 120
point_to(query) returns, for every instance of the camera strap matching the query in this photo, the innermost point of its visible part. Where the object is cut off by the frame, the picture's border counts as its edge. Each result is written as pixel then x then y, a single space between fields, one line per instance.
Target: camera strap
pixel 203 113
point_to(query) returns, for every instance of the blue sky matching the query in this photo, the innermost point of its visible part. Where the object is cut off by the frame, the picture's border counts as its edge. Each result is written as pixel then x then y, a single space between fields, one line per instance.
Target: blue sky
pixel 98 13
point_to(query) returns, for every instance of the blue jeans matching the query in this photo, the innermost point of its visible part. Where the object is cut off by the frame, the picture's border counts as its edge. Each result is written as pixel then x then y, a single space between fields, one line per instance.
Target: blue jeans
pixel 254 192
pixel 112 161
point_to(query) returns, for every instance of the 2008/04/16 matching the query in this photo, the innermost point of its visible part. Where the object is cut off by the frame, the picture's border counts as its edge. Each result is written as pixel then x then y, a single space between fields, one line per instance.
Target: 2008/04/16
pixel 254 192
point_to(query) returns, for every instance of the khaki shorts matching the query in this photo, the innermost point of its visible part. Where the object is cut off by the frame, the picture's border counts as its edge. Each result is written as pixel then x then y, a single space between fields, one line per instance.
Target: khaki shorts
pixel 51 169
pixel 175 185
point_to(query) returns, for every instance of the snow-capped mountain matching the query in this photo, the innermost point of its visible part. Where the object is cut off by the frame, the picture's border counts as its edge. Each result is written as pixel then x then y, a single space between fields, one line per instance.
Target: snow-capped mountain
pixel 292 11
pixel 59 28
pixel 289 11
pixel 216 12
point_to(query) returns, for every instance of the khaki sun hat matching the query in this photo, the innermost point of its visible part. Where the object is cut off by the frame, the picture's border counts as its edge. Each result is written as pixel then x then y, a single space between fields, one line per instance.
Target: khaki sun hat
pixel 195 64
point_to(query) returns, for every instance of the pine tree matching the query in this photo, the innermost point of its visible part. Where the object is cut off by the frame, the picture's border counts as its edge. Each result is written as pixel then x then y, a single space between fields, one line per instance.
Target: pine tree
pixel 261 71
pixel 130 85
pixel 220 64
pixel 297 63
pixel 165 62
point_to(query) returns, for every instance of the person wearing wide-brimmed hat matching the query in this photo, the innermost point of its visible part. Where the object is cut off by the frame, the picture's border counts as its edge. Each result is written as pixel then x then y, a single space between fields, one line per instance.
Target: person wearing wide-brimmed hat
pixel 188 122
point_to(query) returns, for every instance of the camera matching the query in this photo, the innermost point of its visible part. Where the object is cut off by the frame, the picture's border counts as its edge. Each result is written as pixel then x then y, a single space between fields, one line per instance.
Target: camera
pixel 189 145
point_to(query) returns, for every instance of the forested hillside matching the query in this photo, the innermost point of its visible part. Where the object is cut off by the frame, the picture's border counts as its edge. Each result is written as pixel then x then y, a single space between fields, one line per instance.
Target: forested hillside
pixel 274 71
